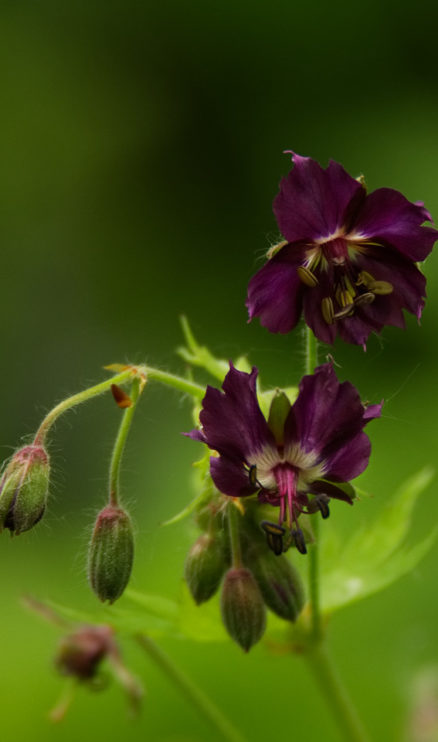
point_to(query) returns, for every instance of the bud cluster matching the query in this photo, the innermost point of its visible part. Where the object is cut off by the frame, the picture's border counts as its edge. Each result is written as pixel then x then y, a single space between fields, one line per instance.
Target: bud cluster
pixel 263 579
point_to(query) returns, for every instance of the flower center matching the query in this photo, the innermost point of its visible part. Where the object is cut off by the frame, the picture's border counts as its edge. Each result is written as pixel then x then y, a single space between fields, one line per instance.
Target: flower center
pixel 286 479
pixel 348 287
pixel 335 251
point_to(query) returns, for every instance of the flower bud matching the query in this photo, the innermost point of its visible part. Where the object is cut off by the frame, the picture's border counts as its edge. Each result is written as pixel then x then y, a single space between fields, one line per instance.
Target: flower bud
pixel 205 564
pixel 111 553
pixel 24 488
pixel 243 610
pixel 280 585
pixel 80 654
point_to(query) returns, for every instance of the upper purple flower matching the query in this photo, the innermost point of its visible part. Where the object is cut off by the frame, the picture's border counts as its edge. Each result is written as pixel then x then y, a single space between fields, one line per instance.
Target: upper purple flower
pixel 309 448
pixel 348 260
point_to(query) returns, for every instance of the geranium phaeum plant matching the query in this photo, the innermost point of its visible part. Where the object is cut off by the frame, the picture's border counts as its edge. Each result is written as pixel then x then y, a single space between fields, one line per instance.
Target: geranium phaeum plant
pixel 271 459
pixel 348 260
pixel 295 459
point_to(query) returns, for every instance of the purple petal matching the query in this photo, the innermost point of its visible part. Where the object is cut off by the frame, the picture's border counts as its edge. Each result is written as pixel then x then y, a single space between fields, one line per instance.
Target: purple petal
pixel 358 328
pixel 232 421
pixel 326 414
pixel 350 460
pixel 320 487
pixel 387 216
pixel 231 478
pixel 275 292
pixel 372 411
pixel 314 203
pixel 196 435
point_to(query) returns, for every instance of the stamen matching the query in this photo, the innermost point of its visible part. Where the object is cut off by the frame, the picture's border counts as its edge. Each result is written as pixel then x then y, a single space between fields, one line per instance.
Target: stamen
pixel 345 298
pixel 349 286
pixel 366 298
pixel 327 310
pixel 365 279
pixel 381 288
pixel 299 541
pixel 307 277
pixel 346 312
pixel 252 476
pixel 274 536
pixel 322 503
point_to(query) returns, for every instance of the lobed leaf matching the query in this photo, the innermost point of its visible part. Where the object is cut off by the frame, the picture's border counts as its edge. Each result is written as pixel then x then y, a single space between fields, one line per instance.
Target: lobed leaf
pixel 376 555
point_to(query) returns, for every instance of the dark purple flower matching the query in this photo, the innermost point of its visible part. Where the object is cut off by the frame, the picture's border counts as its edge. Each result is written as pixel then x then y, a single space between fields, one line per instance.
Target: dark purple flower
pixel 297 459
pixel 348 260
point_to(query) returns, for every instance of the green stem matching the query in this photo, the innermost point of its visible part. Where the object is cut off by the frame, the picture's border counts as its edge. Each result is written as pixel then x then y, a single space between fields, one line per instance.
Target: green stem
pixel 195 695
pixel 233 529
pixel 76 399
pixel 322 666
pixel 314 596
pixel 177 382
pixel 119 444
pixel 314 592
pixel 334 692
pixel 311 351
pixel 145 372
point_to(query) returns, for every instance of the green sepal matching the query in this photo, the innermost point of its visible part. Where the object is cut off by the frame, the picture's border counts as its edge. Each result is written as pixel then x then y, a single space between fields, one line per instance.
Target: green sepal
pixel 265 398
pixel 278 412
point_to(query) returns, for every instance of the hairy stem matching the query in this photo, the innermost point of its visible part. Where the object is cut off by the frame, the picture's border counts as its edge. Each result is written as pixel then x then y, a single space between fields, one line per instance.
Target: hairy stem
pixel 120 442
pixel 322 666
pixel 311 351
pixel 195 695
pixel 177 382
pixel 315 613
pixel 233 529
pixel 79 398
pixel 145 373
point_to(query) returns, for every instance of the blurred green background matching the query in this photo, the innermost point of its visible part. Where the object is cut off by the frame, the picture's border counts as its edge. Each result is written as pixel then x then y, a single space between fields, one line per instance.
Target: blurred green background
pixel 140 149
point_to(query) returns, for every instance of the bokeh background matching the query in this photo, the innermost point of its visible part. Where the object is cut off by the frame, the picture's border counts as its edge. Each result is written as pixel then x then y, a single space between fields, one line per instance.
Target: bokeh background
pixel 140 149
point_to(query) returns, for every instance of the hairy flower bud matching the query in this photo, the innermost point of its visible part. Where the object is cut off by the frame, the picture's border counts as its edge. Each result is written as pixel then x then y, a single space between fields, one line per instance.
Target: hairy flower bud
pixel 243 610
pixel 205 564
pixel 79 654
pixel 111 553
pixel 280 584
pixel 24 488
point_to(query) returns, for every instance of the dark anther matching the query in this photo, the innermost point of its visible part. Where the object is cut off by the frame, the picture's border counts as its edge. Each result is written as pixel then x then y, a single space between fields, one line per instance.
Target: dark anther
pixel 299 541
pixel 274 536
pixel 252 476
pixel 322 503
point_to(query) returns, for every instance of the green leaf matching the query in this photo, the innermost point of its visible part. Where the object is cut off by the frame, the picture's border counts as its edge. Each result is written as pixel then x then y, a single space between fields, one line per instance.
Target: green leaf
pixel 346 585
pixel 377 554
pixel 153 614
pixel 376 541
pixel 199 355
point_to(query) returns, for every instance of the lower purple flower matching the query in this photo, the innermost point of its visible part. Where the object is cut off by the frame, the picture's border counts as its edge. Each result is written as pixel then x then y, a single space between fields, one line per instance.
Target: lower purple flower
pixel 299 458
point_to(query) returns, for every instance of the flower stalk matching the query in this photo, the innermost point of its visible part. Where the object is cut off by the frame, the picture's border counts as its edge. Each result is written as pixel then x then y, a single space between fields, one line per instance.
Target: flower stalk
pixel 320 662
pixel 126 374
pixel 315 615
pixel 233 529
pixel 119 445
